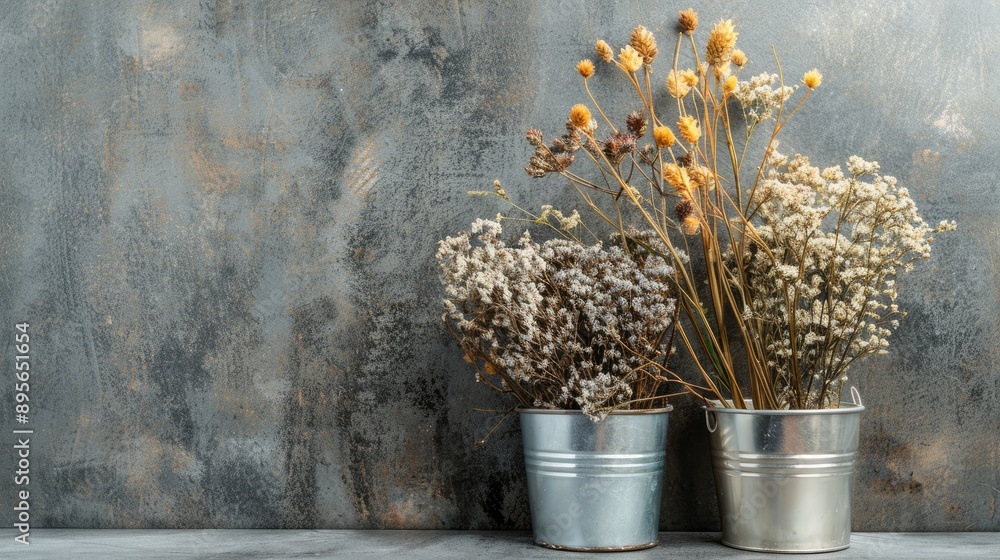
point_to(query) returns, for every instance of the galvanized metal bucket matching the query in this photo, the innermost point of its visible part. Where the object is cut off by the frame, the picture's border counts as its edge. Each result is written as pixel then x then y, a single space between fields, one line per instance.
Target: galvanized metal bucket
pixel 595 486
pixel 785 478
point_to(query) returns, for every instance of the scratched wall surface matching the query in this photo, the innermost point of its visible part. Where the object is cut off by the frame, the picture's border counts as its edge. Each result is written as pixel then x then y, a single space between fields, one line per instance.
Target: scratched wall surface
pixel 219 219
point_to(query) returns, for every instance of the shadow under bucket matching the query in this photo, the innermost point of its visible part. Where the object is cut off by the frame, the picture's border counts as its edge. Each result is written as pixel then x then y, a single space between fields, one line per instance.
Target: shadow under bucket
pixel 785 478
pixel 595 486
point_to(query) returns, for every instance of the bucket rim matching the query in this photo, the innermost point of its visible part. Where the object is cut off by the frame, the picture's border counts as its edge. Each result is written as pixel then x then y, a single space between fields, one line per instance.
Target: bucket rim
pixel 845 408
pixel 663 410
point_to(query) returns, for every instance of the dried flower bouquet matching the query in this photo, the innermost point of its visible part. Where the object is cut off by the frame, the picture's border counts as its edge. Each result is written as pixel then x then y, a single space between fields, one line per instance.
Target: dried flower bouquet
pixel 795 271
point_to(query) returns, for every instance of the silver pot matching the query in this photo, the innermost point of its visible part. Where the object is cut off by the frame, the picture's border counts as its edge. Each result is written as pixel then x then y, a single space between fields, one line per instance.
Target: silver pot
pixel 594 485
pixel 784 478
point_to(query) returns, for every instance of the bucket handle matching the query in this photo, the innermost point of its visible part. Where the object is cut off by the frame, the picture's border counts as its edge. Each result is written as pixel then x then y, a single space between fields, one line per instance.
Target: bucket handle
pixel 856 396
pixel 714 423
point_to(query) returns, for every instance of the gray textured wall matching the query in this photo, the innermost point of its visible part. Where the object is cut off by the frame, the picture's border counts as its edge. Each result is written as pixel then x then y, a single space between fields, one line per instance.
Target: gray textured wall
pixel 219 218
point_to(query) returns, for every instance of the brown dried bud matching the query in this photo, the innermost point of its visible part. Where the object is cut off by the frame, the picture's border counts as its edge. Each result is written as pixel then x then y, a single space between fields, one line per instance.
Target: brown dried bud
pixel 644 43
pixel 636 121
pixel 683 209
pixel 686 160
pixel 605 51
pixel 688 21
pixel 534 137
pixel 617 146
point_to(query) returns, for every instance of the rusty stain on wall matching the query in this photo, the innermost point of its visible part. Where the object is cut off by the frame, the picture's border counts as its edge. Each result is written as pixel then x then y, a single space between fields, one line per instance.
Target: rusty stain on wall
pixel 220 217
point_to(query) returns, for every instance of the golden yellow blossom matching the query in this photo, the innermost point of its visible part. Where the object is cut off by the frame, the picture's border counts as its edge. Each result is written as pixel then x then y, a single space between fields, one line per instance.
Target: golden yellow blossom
pixel 630 58
pixel 721 42
pixel 688 21
pixel 604 51
pixel 812 79
pixel 644 43
pixel 585 68
pixel 579 116
pixel 691 225
pixel 663 136
pixel 689 128
pixel 689 77
pixel 739 58
pixel 730 85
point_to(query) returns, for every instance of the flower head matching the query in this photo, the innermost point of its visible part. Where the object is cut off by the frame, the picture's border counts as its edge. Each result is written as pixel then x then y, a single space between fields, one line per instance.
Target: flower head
pixel 630 58
pixel 663 136
pixel 721 42
pixel 812 79
pixel 636 122
pixel 604 51
pixel 585 68
pixel 688 21
pixel 644 43
pixel 679 83
pixel 730 85
pixel 579 116
pixel 739 58
pixel 690 129
pixel 678 178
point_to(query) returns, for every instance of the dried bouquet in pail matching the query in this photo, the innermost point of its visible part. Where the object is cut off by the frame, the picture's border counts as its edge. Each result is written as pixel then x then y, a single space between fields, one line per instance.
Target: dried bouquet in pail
pixel 792 274
pixel 562 324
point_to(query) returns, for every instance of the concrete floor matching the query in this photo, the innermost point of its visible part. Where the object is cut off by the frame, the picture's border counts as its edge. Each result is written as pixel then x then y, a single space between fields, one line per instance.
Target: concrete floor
pixel 87 544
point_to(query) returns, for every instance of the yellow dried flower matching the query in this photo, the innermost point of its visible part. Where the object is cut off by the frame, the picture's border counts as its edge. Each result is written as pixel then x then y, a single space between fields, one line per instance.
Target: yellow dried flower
pixel 691 225
pixel 689 77
pixel 739 58
pixel 812 79
pixel 585 68
pixel 579 116
pixel 689 128
pixel 721 42
pixel 644 43
pixel 605 51
pixel 702 176
pixel 678 178
pixel 630 59
pixel 730 85
pixel 663 136
pixel 688 21
pixel 677 85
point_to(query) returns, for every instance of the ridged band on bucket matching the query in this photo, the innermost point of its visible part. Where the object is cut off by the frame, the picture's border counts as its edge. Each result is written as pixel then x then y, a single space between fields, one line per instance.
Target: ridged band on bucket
pixel 594 486
pixel 784 479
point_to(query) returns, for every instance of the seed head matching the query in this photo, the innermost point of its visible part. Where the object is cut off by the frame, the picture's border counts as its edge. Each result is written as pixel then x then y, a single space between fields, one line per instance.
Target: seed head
pixel 739 58
pixel 689 128
pixel 678 178
pixel 604 51
pixel 534 137
pixel 663 136
pixel 812 79
pixel 644 43
pixel 677 85
pixel 585 68
pixel 630 58
pixel 702 176
pixel 683 209
pixel 636 121
pixel 721 42
pixel 688 21
pixel 579 116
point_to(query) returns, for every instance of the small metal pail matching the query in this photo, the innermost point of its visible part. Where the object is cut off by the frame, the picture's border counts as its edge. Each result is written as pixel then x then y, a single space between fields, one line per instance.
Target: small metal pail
pixel 784 478
pixel 595 485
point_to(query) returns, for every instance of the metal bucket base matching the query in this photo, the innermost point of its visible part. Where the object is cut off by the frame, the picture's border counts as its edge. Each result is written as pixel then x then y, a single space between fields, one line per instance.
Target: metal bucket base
pixel 775 551
pixel 599 548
